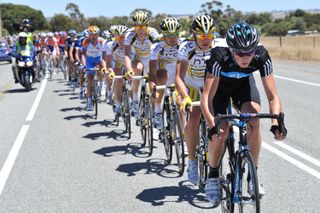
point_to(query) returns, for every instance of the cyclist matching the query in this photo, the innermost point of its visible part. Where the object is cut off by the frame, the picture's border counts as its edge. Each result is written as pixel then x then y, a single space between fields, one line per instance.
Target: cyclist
pixel 229 74
pixel 139 40
pixel 163 61
pixel 77 57
pixel 190 79
pixel 62 43
pixel 91 57
pixel 52 45
pixel 71 39
pixel 114 51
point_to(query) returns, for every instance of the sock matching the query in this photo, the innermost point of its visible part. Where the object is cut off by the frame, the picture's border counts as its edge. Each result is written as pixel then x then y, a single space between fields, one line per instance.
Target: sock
pixel 157 108
pixel 213 172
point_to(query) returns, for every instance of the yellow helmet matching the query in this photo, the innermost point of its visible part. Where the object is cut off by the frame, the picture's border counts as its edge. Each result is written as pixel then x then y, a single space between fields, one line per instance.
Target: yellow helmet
pixel 93 30
pixel 203 24
pixel 170 25
pixel 141 17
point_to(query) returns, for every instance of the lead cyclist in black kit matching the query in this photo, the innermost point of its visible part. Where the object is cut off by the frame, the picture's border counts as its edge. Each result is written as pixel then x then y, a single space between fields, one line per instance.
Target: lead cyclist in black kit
pixel 229 74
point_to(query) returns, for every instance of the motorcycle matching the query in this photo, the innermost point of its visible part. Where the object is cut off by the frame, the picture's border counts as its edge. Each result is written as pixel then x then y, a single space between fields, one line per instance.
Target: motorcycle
pixel 25 71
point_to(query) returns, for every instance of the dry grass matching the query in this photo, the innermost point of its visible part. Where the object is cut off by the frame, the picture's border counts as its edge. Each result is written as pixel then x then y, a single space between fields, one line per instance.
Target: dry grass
pixel 302 48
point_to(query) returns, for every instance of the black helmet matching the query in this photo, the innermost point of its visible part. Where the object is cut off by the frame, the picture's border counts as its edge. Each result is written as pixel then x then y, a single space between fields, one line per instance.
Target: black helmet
pixel 170 25
pixel 26 22
pixel 242 37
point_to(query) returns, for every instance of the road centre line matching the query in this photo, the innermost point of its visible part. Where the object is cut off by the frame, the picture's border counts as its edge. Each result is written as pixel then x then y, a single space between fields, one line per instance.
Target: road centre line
pixel 8 165
pixel 292 160
pixel 298 153
pixel 37 100
pixel 298 81
pixel 6 169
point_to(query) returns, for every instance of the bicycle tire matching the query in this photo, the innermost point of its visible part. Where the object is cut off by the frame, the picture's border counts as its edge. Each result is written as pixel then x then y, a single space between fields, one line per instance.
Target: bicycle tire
pixel 126 111
pixel 202 155
pixel 227 174
pixel 149 128
pixel 95 101
pixel 167 139
pixel 248 202
pixel 141 119
pixel 179 143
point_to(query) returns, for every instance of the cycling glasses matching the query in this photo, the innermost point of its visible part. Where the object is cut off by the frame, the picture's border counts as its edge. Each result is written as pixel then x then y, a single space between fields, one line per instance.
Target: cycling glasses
pixel 171 35
pixel 244 54
pixel 204 36
pixel 140 27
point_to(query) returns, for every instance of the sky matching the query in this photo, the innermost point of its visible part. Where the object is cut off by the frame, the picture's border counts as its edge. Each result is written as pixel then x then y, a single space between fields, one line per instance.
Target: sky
pixel 108 8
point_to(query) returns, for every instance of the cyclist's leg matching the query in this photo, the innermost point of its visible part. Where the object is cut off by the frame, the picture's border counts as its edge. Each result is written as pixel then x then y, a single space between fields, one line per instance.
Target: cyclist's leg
pixel 248 98
pixel 117 89
pixel 137 67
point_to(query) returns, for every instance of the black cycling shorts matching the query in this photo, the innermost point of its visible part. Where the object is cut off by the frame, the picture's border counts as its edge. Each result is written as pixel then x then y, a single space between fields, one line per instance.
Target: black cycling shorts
pixel 240 90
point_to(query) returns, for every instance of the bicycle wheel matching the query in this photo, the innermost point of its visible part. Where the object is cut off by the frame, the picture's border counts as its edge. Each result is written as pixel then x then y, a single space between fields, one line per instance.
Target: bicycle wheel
pixel 227 174
pixel 179 143
pixel 126 113
pixel 95 101
pixel 149 116
pixel 142 119
pixel 202 155
pixel 166 136
pixel 249 199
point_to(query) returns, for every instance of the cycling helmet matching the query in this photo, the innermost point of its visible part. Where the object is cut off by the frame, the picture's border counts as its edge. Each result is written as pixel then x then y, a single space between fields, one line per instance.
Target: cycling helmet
pixel 170 25
pixel 50 34
pixel 56 34
pixel 43 35
pixel 80 34
pixel 106 34
pixel 72 33
pixel 86 33
pixel 112 29
pixel 242 37
pixel 120 30
pixel 26 22
pixel 141 17
pixel 203 24
pixel 93 30
pixel 23 38
pixel 63 34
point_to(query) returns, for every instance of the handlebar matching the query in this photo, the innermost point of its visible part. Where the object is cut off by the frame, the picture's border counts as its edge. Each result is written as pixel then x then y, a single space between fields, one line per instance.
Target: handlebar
pixel 194 104
pixel 246 117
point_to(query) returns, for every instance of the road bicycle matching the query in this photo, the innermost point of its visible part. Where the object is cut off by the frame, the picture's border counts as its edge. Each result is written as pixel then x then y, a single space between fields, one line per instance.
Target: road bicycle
pixel 172 132
pixel 239 180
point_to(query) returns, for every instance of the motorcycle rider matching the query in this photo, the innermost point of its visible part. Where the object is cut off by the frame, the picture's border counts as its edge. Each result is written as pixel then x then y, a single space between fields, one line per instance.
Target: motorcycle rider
pixel 21 46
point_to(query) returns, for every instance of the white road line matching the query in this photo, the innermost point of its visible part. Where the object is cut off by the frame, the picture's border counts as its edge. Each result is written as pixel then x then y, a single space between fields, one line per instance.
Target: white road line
pixel 292 160
pixel 291 79
pixel 37 100
pixel 298 153
pixel 6 169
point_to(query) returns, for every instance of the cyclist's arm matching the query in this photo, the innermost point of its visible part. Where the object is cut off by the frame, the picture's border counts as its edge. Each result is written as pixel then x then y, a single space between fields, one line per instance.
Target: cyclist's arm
pixel 108 59
pixel 70 53
pixel 83 57
pixel 127 59
pixel 77 54
pixel 272 95
pixel 179 77
pixel 208 93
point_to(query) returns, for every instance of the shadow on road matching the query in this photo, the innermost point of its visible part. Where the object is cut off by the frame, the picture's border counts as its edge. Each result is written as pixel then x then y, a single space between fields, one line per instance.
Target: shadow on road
pixel 72 117
pixel 155 165
pixel 181 193
pixel 71 109
pixel 20 90
pixel 106 123
pixel 117 134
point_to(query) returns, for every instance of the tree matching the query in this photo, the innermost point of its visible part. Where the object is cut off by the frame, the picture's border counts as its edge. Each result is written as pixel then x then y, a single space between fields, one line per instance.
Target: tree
pixel 16 13
pixel 76 16
pixel 61 22
pixel 213 8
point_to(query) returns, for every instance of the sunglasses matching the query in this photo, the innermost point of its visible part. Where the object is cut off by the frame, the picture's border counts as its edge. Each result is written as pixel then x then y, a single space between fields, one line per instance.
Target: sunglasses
pixel 242 54
pixel 171 35
pixel 141 27
pixel 205 36
pixel 120 37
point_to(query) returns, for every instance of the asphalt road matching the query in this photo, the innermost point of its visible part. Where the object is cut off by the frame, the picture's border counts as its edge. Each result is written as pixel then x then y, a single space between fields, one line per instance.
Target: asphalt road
pixel 60 159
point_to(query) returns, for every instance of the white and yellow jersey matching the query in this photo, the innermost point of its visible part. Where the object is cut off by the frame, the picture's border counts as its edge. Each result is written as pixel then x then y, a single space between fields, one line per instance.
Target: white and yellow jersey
pixel 141 49
pixel 167 57
pixel 196 58
pixel 117 52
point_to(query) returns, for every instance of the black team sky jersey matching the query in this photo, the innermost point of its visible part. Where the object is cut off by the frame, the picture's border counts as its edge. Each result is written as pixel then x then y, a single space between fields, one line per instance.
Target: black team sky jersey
pixel 222 64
